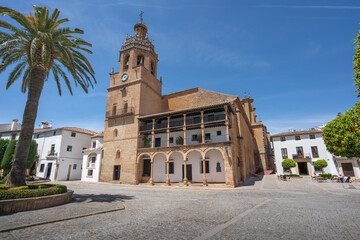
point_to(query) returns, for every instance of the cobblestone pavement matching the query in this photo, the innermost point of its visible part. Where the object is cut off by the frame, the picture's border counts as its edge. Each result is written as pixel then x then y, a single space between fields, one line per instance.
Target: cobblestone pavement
pixel 270 209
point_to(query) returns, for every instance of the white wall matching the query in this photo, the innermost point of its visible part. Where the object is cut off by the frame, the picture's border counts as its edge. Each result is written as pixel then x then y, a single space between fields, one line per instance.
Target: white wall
pixel 290 144
pixel 159 173
pixel 215 156
pixel 96 169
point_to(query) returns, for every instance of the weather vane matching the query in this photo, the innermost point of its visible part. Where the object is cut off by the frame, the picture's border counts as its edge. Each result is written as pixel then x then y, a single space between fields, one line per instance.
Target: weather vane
pixel 141 14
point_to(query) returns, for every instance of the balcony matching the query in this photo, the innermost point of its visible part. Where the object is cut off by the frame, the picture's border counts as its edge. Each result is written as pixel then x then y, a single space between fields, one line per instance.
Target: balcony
pixel 301 156
pixel 120 112
pixel 52 154
pixel 214 118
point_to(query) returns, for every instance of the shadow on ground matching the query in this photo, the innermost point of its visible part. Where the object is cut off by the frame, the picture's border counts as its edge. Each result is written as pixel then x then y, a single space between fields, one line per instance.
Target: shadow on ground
pixel 77 198
pixel 252 180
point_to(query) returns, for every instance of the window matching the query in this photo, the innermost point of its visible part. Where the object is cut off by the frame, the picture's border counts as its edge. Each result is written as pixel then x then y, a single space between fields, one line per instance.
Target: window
pixel 118 154
pixel 92 161
pixel 114 110
pixel 238 161
pixel 74 166
pixel 206 166
pixel 157 142
pixel 194 137
pixel 140 60
pixel 69 148
pixel 171 140
pixel 312 136
pixel 207 136
pixel 218 167
pixel 314 151
pixel 13 136
pixel 171 168
pixel 73 134
pixel 116 175
pixel 126 62
pixel 42 166
pixel 152 68
pixel 284 153
pixel 283 139
pixel 90 173
pixel 115 132
pixel 125 107
pixel 37 135
pixel 123 92
pixel 297 138
pixel 94 144
pixel 54 133
pixel 218 133
pixel 299 152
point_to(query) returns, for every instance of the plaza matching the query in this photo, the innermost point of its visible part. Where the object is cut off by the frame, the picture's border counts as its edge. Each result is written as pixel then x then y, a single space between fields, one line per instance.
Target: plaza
pixel 264 209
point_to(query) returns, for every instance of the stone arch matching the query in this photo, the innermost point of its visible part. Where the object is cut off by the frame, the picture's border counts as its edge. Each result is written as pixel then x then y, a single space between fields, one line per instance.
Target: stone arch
pixel 142 155
pixel 140 60
pixel 141 167
pixel 126 62
pixel 194 158
pixel 176 159
pixel 222 151
pixel 90 158
pixel 216 159
pixel 159 167
pixel 159 153
pixel 192 150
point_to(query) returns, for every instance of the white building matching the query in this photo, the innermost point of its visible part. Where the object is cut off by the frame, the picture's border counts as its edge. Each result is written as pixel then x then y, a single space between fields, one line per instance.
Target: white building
pixel 305 147
pixel 59 151
pixel 92 159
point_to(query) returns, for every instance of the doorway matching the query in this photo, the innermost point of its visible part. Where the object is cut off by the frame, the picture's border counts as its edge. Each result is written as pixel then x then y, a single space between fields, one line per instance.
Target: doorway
pixel 348 169
pixel 188 172
pixel 147 168
pixel 116 175
pixel 303 170
pixel 48 173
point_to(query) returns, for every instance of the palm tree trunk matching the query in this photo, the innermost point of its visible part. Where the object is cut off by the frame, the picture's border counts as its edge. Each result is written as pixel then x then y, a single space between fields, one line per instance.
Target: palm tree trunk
pixel 17 174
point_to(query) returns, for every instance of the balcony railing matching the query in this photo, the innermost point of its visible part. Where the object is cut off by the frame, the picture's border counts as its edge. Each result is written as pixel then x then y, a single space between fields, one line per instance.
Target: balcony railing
pixel 120 112
pixel 52 153
pixel 161 125
pixel 189 141
pixel 145 128
pixel 214 118
pixel 300 156
pixel 176 123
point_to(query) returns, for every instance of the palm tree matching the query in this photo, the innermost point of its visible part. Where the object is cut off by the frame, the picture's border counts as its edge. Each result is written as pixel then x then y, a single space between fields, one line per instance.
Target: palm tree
pixel 37 47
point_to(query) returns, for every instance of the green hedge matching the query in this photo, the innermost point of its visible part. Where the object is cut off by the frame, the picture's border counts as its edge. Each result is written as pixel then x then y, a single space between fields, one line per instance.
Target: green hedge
pixel 325 175
pixel 4 179
pixel 293 175
pixel 34 190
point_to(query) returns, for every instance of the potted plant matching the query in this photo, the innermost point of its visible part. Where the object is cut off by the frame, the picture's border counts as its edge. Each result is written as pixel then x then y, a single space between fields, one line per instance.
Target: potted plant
pixel 320 164
pixel 146 141
pixel 287 164
pixel 179 140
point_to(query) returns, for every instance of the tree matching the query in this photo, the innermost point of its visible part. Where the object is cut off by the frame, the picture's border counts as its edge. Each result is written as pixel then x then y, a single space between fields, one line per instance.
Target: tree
pixel 37 47
pixel 8 157
pixel 342 135
pixel 357 63
pixel 320 164
pixel 288 163
pixel 32 154
pixel 3 145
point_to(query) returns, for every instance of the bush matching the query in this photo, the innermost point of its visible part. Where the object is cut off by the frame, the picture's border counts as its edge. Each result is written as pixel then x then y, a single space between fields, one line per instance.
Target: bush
pixel 288 163
pixel 4 187
pixel 8 157
pixel 3 145
pixel 325 175
pixel 32 154
pixel 179 140
pixel 293 175
pixel 320 164
pixel 28 192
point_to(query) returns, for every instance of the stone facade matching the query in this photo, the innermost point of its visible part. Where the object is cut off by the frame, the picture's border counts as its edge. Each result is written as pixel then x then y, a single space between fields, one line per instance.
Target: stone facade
pixel 162 137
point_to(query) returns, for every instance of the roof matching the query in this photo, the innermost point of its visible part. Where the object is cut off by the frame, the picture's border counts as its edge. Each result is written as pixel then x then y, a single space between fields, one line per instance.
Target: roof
pixel 98 135
pixel 183 110
pixel 296 133
pixel 72 129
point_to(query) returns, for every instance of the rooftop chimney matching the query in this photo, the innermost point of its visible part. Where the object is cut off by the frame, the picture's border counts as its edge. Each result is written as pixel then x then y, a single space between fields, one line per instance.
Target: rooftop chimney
pixel 44 124
pixel 15 125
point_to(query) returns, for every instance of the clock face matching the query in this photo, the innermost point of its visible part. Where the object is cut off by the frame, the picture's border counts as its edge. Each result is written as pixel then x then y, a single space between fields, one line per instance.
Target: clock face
pixel 124 77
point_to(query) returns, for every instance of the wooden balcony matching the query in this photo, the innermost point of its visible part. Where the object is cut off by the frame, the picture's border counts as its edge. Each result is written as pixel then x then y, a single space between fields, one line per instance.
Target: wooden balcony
pixel 121 112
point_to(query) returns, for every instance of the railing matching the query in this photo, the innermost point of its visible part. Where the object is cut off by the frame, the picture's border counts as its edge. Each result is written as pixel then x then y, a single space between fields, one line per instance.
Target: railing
pixel 52 153
pixel 193 121
pixel 214 118
pixel 300 156
pixel 161 125
pixel 176 123
pixel 189 141
pixel 119 112
pixel 145 128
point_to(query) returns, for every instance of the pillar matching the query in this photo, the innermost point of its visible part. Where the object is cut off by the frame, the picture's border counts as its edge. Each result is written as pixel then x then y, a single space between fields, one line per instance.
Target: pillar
pixel 151 172
pixel 204 173
pixel 153 134
pixel 185 174
pixel 184 129
pixel 167 172
pixel 168 132
pixel 202 127
pixel 227 123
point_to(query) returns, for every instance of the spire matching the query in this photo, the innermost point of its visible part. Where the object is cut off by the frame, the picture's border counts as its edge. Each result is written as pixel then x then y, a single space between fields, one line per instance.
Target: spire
pixel 140 28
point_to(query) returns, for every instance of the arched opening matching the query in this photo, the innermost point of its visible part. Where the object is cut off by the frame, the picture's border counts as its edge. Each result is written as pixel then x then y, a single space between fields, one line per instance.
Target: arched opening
pixel 193 170
pixel 177 160
pixel 126 62
pixel 114 110
pixel 144 168
pixel 115 132
pixel 140 60
pixel 125 107
pixel 216 166
pixel 152 68
pixel 159 171
pixel 118 154
pixel 91 160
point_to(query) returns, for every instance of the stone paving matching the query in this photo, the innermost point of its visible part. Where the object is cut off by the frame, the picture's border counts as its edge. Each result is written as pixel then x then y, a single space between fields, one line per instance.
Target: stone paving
pixel 269 209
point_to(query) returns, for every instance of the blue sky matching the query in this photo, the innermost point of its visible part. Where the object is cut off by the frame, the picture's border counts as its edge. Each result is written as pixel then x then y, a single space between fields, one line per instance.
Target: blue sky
pixel 294 57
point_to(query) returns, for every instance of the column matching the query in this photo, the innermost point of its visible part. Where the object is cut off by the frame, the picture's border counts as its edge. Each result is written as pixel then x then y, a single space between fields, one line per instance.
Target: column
pixel 184 129
pixel 151 172
pixel 167 172
pixel 202 127
pixel 227 123
pixel 185 174
pixel 153 134
pixel 204 173
pixel 168 132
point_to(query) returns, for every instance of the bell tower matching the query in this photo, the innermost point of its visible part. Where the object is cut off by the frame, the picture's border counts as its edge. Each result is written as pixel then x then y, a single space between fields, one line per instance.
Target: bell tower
pixel 133 91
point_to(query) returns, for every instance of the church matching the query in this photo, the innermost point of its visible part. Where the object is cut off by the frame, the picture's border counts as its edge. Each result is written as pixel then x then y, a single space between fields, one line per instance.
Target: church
pixel 195 136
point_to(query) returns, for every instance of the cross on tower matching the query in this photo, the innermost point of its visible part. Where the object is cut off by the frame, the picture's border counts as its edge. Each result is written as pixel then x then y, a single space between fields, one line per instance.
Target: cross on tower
pixel 141 14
